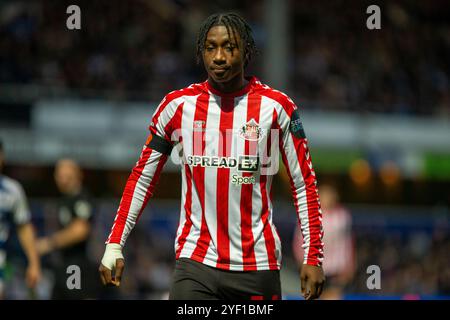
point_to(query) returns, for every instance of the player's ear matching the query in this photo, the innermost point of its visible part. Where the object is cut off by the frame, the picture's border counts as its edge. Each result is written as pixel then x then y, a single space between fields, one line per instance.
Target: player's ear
pixel 246 58
pixel 246 54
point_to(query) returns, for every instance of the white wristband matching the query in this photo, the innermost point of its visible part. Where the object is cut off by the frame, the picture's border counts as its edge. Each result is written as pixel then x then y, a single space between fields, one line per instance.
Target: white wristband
pixel 113 251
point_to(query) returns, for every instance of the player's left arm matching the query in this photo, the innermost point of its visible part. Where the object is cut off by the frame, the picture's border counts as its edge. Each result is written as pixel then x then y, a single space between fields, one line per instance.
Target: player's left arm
pixel 77 231
pixel 297 159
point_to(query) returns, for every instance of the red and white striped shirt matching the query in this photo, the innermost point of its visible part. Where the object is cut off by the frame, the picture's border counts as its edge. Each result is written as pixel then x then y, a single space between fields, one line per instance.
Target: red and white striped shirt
pixel 226 144
pixel 338 242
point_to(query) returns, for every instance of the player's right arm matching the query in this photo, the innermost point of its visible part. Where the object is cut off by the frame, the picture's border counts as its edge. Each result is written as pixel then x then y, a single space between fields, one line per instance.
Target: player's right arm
pixel 26 235
pixel 138 190
pixel 27 239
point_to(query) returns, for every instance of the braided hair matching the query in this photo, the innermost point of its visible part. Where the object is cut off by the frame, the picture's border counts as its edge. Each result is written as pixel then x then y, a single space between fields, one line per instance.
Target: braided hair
pixel 234 23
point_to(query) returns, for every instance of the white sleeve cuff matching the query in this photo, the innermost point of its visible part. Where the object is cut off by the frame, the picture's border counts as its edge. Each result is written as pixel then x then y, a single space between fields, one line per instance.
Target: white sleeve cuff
pixel 113 251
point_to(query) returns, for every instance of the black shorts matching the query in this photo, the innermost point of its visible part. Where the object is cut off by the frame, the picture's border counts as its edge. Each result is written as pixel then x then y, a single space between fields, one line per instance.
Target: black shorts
pixel 193 280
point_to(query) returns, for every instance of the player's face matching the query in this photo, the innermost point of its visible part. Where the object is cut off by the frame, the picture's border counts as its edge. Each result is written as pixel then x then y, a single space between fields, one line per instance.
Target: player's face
pixel 67 176
pixel 223 56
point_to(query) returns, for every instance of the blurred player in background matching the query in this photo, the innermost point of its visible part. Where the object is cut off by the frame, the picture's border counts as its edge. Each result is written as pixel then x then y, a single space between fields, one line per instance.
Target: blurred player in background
pixel 14 211
pixel 339 266
pixel 227 246
pixel 75 212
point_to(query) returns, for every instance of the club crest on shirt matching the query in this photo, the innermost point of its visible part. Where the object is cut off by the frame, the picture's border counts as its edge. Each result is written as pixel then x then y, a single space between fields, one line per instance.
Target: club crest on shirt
pixel 251 131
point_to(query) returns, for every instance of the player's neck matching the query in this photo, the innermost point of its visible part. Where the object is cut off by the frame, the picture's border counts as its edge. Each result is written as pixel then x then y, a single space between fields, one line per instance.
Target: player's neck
pixel 235 84
pixel 75 190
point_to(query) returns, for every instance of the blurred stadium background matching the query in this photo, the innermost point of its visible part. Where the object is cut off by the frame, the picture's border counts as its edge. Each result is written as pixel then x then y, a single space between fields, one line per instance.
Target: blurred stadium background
pixel 376 108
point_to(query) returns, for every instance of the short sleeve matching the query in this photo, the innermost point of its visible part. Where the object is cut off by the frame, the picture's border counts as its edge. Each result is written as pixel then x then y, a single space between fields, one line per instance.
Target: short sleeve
pixel 21 211
pixel 82 209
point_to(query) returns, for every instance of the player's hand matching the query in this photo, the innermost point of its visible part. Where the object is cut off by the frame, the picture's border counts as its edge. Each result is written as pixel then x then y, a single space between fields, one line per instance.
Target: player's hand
pixel 112 265
pixel 32 275
pixel 312 281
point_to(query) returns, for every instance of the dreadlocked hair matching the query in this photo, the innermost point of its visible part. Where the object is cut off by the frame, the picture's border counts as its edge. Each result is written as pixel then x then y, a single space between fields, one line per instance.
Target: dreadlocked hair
pixel 234 23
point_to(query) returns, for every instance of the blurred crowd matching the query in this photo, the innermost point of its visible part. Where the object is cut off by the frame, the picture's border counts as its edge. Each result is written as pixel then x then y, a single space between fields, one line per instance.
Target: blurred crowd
pixel 402 68
pixel 143 49
pixel 413 258
pixel 415 264
pixel 132 50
